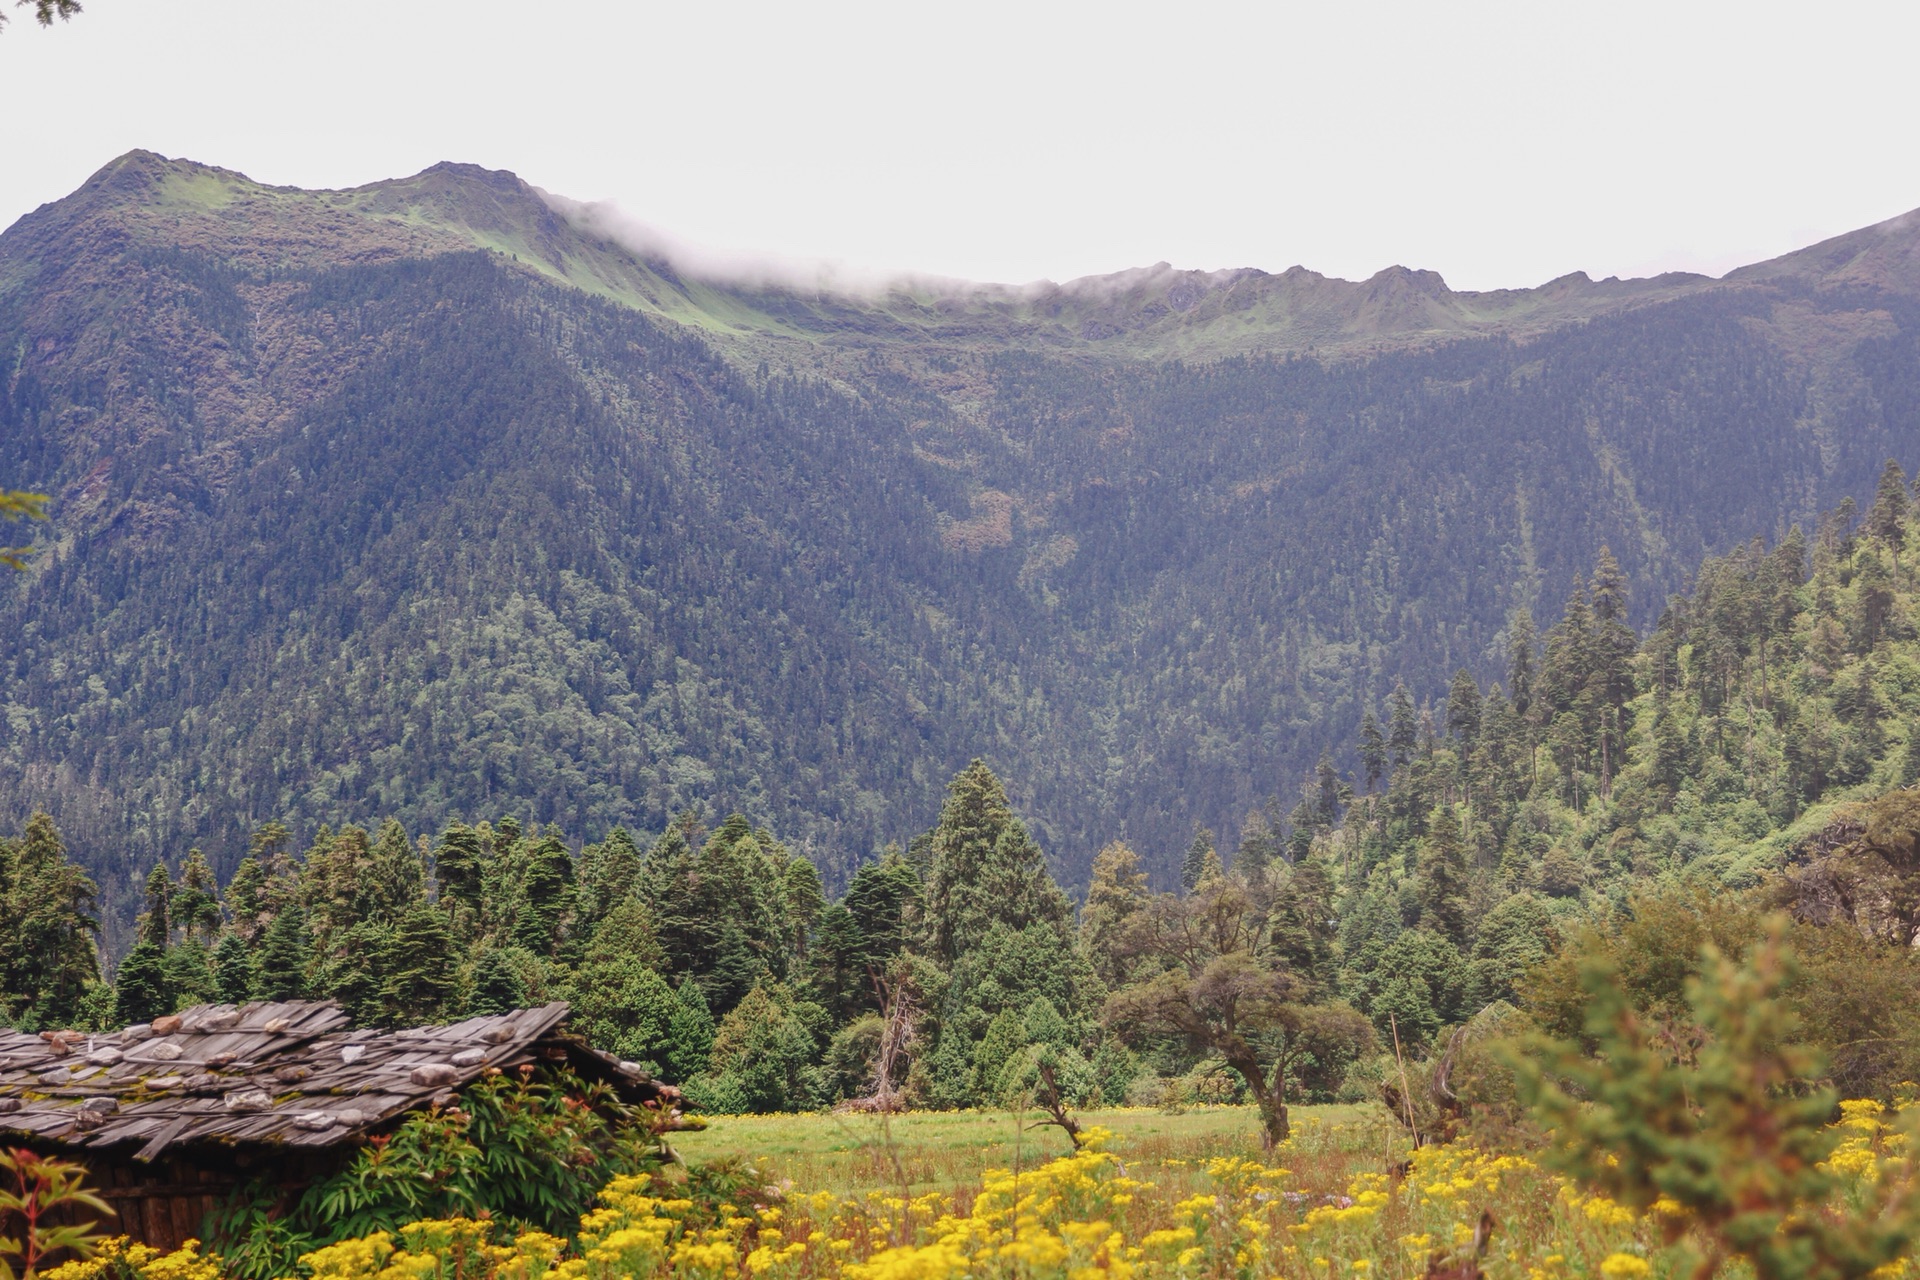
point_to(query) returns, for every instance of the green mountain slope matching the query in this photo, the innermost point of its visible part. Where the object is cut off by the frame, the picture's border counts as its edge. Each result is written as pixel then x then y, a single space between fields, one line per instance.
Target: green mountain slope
pixel 422 499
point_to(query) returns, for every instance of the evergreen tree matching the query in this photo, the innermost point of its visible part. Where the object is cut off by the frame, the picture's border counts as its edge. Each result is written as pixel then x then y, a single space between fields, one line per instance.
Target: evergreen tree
pixel 395 878
pixel 497 985
pixel 1463 708
pixel 420 976
pixel 1200 860
pixel 246 899
pixel 690 1031
pixel 233 970
pixel 1402 730
pixel 1259 845
pixel 1887 517
pixel 884 900
pixel 1443 878
pixel 285 952
pixel 542 924
pixel 1300 924
pixel 52 963
pixel 985 869
pixel 156 922
pixel 1373 751
pixel 1116 895
pixel 355 972
pixel 141 991
pixel 1521 639
pixel 841 974
pixel 804 900
pixel 196 907
pixel 459 867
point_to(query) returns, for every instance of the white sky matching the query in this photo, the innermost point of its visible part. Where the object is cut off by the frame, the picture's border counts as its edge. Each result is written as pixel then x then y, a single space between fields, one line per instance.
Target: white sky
pixel 1499 143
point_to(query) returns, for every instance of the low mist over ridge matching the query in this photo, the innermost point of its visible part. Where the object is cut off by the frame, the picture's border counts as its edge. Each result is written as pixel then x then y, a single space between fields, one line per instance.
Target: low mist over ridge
pixel 425 497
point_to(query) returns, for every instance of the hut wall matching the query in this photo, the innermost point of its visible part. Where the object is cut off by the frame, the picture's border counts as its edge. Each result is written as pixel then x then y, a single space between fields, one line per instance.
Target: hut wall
pixel 165 1203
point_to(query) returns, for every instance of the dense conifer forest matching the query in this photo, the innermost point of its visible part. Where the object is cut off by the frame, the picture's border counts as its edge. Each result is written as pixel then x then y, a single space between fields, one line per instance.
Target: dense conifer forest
pixel 418 501
pixel 1613 792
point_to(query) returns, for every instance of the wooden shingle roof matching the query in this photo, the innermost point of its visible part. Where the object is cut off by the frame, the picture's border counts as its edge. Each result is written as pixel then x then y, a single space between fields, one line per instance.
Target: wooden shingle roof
pixel 290 1073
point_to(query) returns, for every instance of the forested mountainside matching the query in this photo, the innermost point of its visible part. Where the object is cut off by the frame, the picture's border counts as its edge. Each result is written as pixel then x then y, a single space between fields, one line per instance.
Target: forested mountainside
pixel 1763 736
pixel 423 500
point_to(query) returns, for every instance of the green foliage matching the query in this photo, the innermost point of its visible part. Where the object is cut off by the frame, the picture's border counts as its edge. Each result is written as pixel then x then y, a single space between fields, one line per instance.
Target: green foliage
pixel 530 1152
pixel 141 991
pixel 763 1052
pixel 1217 983
pixel 1716 1119
pixel 47 928
pixel 44 1194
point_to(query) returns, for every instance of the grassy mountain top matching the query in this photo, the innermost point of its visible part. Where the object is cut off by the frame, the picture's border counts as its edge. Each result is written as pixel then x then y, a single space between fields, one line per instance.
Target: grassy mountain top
pixel 1155 312
pixel 422 499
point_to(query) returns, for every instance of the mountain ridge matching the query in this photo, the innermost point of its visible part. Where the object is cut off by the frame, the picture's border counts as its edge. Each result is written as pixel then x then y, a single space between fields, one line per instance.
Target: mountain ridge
pixel 1147 312
pixel 367 504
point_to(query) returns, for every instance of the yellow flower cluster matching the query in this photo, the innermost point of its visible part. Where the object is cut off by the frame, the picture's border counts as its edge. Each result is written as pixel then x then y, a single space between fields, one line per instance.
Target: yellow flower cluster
pixel 1083 1216
pixel 118 1257
pixel 1052 1221
pixel 1869 1144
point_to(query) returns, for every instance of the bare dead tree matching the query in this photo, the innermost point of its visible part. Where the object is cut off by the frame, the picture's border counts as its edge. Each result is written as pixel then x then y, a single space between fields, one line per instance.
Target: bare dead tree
pixel 899 1028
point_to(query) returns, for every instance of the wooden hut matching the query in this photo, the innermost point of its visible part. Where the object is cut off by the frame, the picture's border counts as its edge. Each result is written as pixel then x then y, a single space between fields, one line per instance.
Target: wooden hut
pixel 170 1117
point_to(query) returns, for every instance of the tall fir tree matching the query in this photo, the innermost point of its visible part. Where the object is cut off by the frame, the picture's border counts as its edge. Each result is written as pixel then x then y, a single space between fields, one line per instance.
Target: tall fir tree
pixel 1402 728
pixel 52 965
pixel 986 869
pixel 1116 895
pixel 1201 859
pixel 1373 750
pixel 233 970
pixel 196 904
pixel 420 967
pixel 1443 878
pixel 285 952
pixel 156 922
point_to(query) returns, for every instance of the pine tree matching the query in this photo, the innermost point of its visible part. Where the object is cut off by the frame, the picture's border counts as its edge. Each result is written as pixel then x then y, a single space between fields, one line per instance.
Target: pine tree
pixel 419 977
pixel 497 985
pixel 1887 517
pixel 1521 638
pixel 233 970
pixel 284 956
pixel 1300 924
pixel 1116 895
pixel 459 867
pixel 1200 859
pixel 1402 730
pixel 1259 845
pixel 196 906
pixel 884 900
pixel 1463 708
pixel 141 991
pixel 840 968
pixel 615 874
pixel 986 869
pixel 246 899
pixel 542 925
pixel 1443 878
pixel 53 964
pixel 1373 750
pixel 395 878
pixel 156 922
pixel 689 1034
pixel 803 901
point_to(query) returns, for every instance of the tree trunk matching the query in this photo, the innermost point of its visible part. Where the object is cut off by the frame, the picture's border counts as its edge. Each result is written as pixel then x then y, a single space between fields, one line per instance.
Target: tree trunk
pixel 1274 1126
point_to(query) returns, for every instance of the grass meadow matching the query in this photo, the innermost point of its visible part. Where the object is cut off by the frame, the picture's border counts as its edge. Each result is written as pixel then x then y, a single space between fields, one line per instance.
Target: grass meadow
pixel 949 1151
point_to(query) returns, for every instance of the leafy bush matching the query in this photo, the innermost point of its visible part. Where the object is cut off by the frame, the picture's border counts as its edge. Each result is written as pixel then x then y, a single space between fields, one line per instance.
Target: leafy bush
pixel 1711 1122
pixel 530 1151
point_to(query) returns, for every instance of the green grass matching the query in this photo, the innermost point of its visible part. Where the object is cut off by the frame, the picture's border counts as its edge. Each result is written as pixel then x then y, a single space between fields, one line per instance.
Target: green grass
pixel 947 1150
